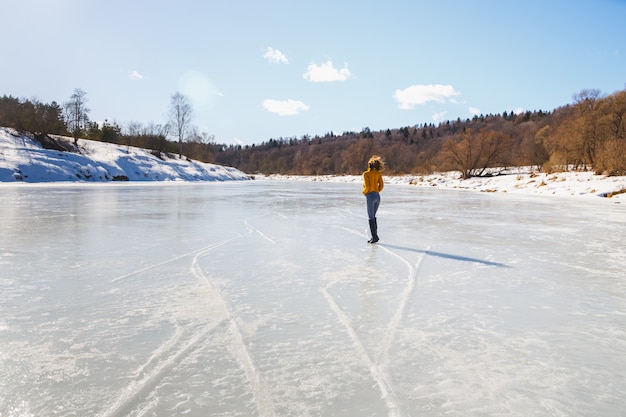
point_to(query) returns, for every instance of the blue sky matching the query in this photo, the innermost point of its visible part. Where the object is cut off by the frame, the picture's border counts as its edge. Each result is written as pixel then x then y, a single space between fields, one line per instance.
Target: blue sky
pixel 255 70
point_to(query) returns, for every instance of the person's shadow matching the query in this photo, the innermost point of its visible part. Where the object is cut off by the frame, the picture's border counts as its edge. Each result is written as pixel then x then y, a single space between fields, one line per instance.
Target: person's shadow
pixel 445 255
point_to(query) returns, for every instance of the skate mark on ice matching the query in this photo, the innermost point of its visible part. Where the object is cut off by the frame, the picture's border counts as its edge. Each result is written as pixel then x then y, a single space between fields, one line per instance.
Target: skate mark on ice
pixel 349 211
pixel 216 300
pixel 158 354
pixel 263 235
pixel 147 268
pixel 375 370
pixel 162 360
pixel 354 232
pixel 167 355
pixel 392 328
pixel 380 362
pixel 185 401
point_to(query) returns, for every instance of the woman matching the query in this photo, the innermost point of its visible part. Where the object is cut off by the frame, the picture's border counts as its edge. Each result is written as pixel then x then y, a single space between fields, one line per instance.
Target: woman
pixel 372 185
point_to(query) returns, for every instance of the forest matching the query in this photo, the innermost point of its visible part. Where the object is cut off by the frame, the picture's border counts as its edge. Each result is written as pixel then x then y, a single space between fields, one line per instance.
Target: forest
pixel 587 134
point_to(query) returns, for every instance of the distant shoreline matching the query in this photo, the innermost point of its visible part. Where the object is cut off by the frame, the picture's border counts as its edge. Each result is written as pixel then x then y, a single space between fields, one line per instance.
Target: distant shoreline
pixel 574 183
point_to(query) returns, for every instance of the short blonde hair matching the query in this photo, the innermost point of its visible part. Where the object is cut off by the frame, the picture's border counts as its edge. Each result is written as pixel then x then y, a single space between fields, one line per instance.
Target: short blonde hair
pixel 376 162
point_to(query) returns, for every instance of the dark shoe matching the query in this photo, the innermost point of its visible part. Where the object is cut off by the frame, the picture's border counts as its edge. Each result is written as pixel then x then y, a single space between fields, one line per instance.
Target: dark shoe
pixel 374 230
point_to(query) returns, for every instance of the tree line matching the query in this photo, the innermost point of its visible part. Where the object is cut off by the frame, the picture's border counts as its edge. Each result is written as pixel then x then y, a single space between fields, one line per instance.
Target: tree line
pixel 586 134
pixel 71 118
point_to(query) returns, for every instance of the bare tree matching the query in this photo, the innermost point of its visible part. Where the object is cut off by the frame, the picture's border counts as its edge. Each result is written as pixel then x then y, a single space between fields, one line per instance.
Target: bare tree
pixel 76 114
pixel 476 152
pixel 611 116
pixel 180 114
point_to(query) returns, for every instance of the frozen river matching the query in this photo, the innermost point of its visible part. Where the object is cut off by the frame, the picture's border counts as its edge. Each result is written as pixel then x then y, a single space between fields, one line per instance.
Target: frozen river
pixel 263 298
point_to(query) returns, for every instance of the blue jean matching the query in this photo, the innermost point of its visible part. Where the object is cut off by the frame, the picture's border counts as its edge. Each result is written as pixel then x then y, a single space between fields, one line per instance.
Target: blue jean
pixel 373 201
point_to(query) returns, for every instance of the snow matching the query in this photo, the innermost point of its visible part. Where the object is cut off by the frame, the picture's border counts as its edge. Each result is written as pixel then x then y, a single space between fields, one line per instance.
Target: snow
pixel 24 160
pixel 522 180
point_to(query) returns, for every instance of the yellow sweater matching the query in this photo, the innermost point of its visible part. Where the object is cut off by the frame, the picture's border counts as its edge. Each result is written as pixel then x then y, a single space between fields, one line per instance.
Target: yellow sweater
pixel 372 181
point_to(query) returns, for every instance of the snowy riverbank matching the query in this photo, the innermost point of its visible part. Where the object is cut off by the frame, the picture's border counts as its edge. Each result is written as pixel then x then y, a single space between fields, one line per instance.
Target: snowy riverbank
pixel 23 159
pixel 515 181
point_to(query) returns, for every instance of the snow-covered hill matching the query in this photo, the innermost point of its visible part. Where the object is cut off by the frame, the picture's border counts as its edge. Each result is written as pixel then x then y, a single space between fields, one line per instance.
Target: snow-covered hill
pixel 22 159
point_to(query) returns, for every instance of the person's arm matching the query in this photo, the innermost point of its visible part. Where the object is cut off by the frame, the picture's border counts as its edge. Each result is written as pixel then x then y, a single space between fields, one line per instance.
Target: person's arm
pixel 366 182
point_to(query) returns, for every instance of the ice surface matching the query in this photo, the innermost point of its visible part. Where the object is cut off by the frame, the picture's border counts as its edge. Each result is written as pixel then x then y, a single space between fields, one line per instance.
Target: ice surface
pixel 263 298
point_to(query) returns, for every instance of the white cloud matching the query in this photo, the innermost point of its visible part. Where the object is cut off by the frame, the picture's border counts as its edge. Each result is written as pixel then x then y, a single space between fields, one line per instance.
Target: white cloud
pixel 474 111
pixel 326 72
pixel 414 95
pixel 285 107
pixel 135 75
pixel 437 117
pixel 518 111
pixel 275 56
